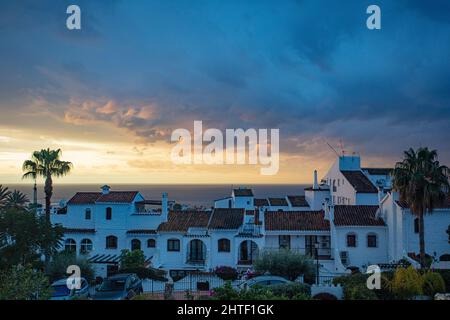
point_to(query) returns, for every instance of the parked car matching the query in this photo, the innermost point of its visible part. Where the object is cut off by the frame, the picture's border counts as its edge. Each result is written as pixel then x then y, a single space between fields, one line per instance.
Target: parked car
pixel 263 281
pixel 119 287
pixel 60 291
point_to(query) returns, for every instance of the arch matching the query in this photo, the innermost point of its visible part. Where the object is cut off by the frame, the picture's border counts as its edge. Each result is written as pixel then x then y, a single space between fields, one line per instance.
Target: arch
pixel 111 242
pixel 135 244
pixel 151 243
pixel 85 246
pixel 223 245
pixel 248 252
pixel 351 240
pixel 108 213
pixel 70 245
pixel 372 240
pixel 196 251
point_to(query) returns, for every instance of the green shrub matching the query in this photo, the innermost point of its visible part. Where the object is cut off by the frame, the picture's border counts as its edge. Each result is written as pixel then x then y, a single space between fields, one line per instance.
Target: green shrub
pixel 23 283
pixel 284 263
pixel 355 287
pixel 227 292
pixel 291 290
pixel 132 259
pixel 445 274
pixel 432 283
pixel 406 283
pixel 57 268
pixel 226 273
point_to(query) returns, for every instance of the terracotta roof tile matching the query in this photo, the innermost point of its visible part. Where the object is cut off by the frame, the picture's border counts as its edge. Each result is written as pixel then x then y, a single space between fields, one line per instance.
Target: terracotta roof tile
pixel 279 202
pixel 141 231
pixel 359 181
pixel 118 196
pixel 227 219
pixel 261 202
pixel 298 201
pixel 84 198
pixel 359 215
pixel 183 220
pixel 296 221
pixel 243 192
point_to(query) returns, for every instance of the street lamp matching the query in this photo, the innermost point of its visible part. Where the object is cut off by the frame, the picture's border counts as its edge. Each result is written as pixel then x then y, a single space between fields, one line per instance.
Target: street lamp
pixel 316 245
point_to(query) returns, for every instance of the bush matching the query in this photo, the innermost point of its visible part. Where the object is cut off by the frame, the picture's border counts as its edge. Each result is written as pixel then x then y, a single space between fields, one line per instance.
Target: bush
pixel 226 273
pixel 146 273
pixel 284 263
pixel 355 287
pixel 21 283
pixel 291 290
pixel 57 268
pixel 406 283
pixel 432 283
pixel 132 259
pixel 445 274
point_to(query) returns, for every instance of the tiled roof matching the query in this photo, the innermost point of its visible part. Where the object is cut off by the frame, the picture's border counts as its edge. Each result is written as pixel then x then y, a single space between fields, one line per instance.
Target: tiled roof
pixel 296 221
pixel 445 204
pixel 141 231
pixel 321 188
pixel 183 220
pixel 359 181
pixel 243 192
pixel 118 196
pixel 84 198
pixel 112 196
pixel 350 215
pixel 279 202
pixel 378 171
pixel 261 202
pixel 298 201
pixel 228 219
pixel 80 230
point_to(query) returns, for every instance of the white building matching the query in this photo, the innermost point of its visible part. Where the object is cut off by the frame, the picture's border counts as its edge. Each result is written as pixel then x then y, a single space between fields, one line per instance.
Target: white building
pixel 350 220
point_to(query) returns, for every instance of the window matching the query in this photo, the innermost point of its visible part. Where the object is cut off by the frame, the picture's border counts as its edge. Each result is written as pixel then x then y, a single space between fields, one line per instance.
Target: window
pixel 87 214
pixel 371 240
pixel 284 241
pixel 135 244
pixel 173 245
pixel 223 245
pixel 151 243
pixel 70 245
pixel 351 240
pixel 416 225
pixel 111 242
pixel 108 213
pixel 85 246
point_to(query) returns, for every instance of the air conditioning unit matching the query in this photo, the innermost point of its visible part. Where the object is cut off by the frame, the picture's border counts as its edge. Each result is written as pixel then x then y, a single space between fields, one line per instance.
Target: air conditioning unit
pixel 344 257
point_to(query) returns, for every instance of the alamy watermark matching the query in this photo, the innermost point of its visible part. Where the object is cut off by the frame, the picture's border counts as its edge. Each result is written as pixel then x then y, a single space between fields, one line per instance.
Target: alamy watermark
pixel 231 150
pixel 374 280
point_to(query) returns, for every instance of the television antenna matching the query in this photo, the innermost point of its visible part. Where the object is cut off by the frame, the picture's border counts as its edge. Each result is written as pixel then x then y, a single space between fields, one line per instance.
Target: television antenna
pixel 334 150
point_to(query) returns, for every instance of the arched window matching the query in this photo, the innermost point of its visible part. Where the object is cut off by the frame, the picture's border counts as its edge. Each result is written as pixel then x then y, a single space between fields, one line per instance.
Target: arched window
pixel 108 213
pixel 135 244
pixel 87 214
pixel 372 240
pixel 223 245
pixel 111 242
pixel 85 246
pixel 70 245
pixel 416 225
pixel 173 245
pixel 151 243
pixel 351 240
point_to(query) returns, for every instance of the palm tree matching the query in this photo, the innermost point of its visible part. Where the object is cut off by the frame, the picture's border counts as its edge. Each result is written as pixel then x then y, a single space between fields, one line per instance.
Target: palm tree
pixel 47 164
pixel 17 200
pixel 423 184
pixel 30 168
pixel 3 195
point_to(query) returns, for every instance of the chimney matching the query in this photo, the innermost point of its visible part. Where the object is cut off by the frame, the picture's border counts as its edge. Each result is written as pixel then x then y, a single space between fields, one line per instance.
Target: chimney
pixel 164 206
pixel 105 189
pixel 316 184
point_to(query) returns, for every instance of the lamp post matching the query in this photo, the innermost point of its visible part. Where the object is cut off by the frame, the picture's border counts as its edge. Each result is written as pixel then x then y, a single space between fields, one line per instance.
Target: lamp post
pixel 316 245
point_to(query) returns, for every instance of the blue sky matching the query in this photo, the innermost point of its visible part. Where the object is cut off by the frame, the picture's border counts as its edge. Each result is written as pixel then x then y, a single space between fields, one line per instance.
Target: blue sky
pixel 139 69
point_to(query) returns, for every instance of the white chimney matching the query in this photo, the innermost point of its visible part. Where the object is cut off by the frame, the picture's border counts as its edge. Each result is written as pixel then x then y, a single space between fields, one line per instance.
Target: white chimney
pixel 316 183
pixel 105 189
pixel 164 206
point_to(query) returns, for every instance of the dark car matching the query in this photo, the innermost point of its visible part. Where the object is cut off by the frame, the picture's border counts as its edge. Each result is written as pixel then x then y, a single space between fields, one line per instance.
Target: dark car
pixel 60 291
pixel 119 287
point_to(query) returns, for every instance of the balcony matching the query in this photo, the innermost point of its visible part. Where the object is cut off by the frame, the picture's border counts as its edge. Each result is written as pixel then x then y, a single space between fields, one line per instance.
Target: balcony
pixel 324 253
pixel 250 230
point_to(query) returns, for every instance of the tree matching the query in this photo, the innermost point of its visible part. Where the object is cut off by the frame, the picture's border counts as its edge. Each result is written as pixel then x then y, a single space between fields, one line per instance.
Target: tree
pixel 3 195
pixel 16 199
pixel 23 283
pixel 284 263
pixel 423 184
pixel 47 164
pixel 30 168
pixel 57 268
pixel 26 237
pixel 132 259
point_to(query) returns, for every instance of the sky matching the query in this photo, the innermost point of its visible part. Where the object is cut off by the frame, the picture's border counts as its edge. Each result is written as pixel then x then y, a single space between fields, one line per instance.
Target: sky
pixel 109 95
